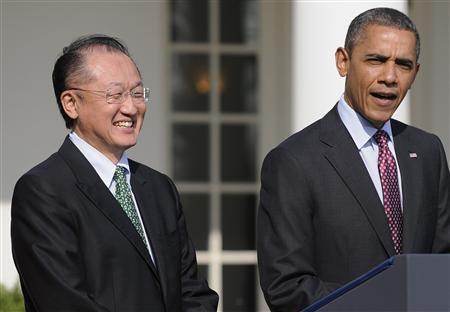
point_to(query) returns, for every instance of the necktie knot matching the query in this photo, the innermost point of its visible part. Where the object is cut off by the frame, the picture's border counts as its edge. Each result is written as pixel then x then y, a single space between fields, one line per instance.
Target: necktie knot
pixel 119 174
pixel 381 137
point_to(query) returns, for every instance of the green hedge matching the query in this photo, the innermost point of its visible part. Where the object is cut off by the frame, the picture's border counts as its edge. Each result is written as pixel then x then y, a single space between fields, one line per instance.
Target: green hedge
pixel 11 300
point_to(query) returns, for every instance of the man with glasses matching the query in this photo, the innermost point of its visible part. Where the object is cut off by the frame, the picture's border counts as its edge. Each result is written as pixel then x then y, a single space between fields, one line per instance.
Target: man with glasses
pixel 91 229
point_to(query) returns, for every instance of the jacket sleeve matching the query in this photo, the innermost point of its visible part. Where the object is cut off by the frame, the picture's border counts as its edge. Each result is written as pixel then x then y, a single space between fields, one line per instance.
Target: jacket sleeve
pixel 285 236
pixel 45 249
pixel 196 294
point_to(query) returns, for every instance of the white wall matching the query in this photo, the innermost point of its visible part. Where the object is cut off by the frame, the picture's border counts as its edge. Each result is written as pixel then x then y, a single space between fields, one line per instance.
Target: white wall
pixel 319 27
pixel 33 35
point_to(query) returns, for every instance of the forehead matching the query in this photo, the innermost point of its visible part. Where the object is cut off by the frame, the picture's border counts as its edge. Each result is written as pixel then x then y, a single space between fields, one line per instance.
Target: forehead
pixel 386 39
pixel 111 67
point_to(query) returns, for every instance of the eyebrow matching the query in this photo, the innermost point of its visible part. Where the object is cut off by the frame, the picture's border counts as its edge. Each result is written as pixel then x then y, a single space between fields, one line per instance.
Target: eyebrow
pixel 379 57
pixel 402 61
pixel 119 84
pixel 399 61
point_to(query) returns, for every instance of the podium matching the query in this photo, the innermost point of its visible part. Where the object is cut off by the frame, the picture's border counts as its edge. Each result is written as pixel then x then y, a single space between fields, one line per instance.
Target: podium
pixel 411 282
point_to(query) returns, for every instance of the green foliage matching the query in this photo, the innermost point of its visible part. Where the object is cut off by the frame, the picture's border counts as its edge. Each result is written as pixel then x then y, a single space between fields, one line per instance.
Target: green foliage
pixel 11 300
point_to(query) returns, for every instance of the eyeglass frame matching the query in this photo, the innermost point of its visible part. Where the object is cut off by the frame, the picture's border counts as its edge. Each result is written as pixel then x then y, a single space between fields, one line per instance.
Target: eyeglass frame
pixel 123 95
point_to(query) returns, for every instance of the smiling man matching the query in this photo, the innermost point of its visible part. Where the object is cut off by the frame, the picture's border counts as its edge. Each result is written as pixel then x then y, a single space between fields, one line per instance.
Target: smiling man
pixel 355 187
pixel 91 229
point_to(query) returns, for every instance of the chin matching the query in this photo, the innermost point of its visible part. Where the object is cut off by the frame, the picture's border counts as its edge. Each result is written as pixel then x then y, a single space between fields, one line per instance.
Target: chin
pixel 124 145
pixel 381 117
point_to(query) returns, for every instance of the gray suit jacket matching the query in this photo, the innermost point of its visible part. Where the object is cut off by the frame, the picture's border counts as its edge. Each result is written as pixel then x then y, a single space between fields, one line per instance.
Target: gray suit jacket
pixel 76 250
pixel 321 222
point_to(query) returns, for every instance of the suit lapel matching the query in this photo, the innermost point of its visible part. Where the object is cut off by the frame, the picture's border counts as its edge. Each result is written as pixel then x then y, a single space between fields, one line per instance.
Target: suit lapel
pixel 96 191
pixel 144 193
pixel 342 153
pixel 411 166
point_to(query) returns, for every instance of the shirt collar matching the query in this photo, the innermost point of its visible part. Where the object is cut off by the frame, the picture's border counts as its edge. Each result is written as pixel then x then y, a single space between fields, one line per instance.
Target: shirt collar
pixel 359 128
pixel 104 167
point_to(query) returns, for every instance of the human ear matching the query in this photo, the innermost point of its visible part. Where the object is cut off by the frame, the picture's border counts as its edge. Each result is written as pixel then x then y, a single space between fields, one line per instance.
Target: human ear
pixel 416 71
pixel 69 104
pixel 342 58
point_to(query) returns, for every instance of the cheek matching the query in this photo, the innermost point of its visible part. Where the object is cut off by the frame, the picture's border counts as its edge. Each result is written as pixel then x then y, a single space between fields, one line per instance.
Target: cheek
pixel 408 84
pixel 403 90
pixel 142 112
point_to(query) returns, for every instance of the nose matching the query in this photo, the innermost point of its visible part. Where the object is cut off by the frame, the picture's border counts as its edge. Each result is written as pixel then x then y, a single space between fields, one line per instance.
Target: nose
pixel 128 107
pixel 389 76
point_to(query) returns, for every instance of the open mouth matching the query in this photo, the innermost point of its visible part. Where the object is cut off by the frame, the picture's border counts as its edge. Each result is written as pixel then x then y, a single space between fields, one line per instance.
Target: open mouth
pixel 384 96
pixel 124 124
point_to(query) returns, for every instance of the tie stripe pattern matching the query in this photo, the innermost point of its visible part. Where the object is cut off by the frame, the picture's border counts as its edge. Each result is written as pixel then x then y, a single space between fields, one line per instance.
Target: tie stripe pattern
pixel 123 196
pixel 391 192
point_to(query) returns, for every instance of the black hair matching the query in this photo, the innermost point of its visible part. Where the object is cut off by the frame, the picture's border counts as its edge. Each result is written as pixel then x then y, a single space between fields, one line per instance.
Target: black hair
pixel 70 66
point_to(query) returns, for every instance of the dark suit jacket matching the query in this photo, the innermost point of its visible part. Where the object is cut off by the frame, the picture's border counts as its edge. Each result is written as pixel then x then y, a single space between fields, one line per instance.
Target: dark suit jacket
pixel 76 250
pixel 321 222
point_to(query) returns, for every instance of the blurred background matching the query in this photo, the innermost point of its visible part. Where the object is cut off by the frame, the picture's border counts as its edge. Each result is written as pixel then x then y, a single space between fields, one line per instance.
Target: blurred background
pixel 229 80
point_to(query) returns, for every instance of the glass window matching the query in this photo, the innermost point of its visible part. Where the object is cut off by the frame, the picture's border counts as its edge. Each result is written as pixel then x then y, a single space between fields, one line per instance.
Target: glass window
pixel 215 114
pixel 239 83
pixel 189 20
pixel 238 221
pixel 238 152
pixel 238 21
pixel 239 292
pixel 196 210
pixel 190 152
pixel 190 82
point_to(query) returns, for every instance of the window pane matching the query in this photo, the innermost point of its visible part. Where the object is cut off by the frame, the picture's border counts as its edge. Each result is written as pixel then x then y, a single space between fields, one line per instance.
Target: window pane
pixel 190 20
pixel 190 82
pixel 196 210
pixel 238 221
pixel 238 146
pixel 190 152
pixel 239 288
pixel 238 21
pixel 239 83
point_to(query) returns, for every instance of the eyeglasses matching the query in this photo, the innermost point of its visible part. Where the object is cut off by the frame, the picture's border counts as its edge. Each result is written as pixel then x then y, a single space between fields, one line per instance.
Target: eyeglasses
pixel 138 95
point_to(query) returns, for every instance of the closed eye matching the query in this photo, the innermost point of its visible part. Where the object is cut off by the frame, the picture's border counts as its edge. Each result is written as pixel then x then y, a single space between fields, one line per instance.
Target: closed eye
pixel 376 59
pixel 137 94
pixel 405 64
pixel 115 96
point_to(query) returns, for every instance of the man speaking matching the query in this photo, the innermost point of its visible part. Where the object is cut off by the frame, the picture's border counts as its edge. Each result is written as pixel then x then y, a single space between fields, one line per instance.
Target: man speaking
pixel 355 187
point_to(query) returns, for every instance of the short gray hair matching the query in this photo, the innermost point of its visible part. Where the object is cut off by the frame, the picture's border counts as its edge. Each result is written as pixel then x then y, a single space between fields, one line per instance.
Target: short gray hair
pixel 383 17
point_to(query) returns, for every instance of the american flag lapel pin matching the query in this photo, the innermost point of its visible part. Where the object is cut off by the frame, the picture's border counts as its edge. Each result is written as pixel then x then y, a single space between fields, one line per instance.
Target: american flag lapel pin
pixel 412 155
